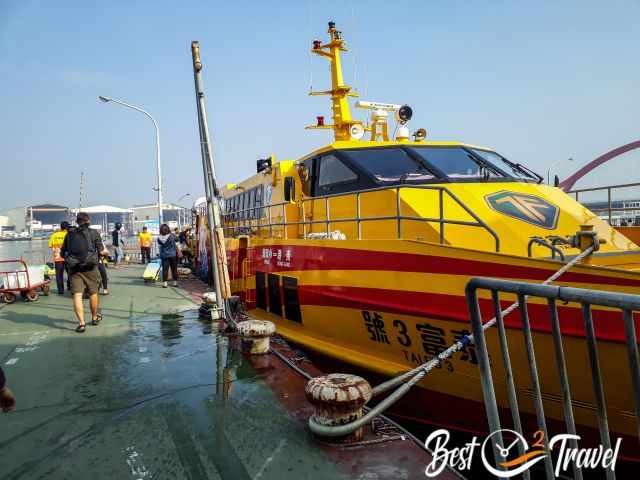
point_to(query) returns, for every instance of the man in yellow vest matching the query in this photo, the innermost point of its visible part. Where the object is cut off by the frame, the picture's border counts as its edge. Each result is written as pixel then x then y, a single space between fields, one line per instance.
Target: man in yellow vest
pixel 144 238
pixel 55 244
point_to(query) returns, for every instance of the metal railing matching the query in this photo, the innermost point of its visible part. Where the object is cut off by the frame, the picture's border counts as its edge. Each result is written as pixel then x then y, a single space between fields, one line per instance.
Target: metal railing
pixel 608 188
pixel 624 302
pixel 248 219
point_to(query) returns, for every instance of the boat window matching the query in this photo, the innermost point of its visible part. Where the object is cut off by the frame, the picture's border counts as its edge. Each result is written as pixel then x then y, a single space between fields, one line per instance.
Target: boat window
pixel 305 170
pixel 275 303
pixel 236 200
pixel 259 197
pixel 457 163
pixel 333 171
pixel 291 301
pixel 261 294
pixel 389 164
pixel 514 169
pixel 252 203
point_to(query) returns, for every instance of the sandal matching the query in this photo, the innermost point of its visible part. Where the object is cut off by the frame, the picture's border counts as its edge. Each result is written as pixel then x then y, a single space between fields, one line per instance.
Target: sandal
pixel 81 328
pixel 96 321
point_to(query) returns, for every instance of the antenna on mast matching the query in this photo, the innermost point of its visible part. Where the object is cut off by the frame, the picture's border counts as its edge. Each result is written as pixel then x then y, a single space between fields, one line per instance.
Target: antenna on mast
pixel 344 127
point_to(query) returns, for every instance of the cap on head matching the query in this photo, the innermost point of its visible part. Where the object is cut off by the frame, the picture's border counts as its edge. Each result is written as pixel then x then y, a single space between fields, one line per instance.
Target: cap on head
pixel 118 226
pixel 64 225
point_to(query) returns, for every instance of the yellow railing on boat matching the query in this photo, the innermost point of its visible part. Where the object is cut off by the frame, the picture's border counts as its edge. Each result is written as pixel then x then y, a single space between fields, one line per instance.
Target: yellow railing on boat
pixel 251 221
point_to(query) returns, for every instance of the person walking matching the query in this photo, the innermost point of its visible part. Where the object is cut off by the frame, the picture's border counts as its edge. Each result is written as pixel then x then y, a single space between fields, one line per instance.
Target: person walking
pixel 117 241
pixel 55 244
pixel 168 254
pixel 144 239
pixel 102 269
pixel 7 399
pixel 81 250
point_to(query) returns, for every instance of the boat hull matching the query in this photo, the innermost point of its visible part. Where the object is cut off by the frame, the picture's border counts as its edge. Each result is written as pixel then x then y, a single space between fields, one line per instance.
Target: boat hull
pixel 386 307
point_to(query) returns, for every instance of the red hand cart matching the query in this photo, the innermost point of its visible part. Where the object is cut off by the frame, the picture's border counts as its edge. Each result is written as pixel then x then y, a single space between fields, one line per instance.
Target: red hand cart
pixel 18 280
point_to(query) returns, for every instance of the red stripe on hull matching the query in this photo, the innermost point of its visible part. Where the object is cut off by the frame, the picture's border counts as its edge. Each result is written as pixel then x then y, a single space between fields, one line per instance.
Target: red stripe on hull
pixel 329 258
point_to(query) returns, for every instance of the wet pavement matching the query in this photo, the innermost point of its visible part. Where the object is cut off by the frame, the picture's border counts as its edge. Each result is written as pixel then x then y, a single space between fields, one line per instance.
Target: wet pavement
pixel 153 392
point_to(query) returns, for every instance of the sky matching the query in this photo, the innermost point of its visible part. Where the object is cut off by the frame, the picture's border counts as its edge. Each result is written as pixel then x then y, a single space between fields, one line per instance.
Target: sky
pixel 541 82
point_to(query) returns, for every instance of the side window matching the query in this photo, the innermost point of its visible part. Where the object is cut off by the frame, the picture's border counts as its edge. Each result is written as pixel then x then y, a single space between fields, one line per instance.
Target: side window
pixel 243 205
pixel 333 172
pixel 252 202
pixel 261 291
pixel 306 176
pixel 259 197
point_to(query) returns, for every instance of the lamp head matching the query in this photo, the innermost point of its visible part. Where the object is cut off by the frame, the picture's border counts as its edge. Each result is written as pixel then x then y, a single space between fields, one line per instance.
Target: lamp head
pixel 104 99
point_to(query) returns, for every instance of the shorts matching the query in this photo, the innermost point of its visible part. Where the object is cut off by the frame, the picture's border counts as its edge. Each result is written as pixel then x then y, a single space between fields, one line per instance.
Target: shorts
pixel 88 280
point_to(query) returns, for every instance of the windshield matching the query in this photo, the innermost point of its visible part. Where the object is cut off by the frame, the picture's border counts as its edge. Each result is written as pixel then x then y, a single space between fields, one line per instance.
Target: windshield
pixel 457 163
pixel 513 168
pixel 389 164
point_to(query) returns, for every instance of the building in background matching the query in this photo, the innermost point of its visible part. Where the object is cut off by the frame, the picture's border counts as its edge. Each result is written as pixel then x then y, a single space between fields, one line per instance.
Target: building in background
pixel 630 216
pixel 105 217
pixel 147 216
pixel 35 220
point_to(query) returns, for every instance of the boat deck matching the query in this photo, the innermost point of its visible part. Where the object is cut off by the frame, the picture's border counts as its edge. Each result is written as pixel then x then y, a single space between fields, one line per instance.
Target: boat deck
pixel 154 392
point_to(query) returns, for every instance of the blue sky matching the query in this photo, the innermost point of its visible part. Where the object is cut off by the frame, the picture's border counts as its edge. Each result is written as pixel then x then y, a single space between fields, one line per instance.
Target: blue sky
pixel 538 81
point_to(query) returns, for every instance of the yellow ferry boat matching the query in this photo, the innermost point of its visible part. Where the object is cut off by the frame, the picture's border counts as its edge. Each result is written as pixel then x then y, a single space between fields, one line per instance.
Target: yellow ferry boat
pixel 361 250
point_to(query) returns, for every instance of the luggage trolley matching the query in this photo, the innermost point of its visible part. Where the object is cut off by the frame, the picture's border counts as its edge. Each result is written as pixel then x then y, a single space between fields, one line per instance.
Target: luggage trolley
pixel 20 281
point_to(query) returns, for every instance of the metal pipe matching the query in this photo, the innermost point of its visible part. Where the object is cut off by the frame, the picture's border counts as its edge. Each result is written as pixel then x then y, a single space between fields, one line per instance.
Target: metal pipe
pixel 596 377
pixel 506 360
pixel 564 381
pixel 326 211
pixel 535 380
pixel 595 189
pixel 486 379
pixel 634 363
pixel 399 221
pixel 441 206
pixel 544 243
pixel 609 203
pixel 208 170
pixel 358 220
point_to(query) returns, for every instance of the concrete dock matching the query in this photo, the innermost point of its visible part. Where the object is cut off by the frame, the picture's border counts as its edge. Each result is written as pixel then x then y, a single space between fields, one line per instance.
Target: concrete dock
pixel 154 392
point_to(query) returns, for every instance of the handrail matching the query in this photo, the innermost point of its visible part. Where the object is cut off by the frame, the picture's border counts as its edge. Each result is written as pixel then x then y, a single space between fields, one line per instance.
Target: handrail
pixel 553 294
pixel 236 215
pixel 542 242
pixel 610 209
pixel 606 187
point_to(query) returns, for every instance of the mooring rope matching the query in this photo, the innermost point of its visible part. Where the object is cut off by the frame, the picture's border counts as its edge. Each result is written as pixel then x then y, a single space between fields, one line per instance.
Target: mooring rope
pixel 408 379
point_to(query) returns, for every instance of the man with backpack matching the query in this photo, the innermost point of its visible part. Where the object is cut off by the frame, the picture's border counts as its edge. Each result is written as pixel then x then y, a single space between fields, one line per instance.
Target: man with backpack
pixel 81 251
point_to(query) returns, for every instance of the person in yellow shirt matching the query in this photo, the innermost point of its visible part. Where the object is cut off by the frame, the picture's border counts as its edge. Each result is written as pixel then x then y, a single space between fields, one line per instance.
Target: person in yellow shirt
pixel 144 239
pixel 55 244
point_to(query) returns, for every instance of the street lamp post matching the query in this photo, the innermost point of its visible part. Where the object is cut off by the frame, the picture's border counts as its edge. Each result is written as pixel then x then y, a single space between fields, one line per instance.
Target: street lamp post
pixel 553 165
pixel 155 124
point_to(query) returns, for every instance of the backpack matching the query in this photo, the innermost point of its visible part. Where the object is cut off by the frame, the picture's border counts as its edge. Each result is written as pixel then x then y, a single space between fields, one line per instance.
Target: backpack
pixel 82 251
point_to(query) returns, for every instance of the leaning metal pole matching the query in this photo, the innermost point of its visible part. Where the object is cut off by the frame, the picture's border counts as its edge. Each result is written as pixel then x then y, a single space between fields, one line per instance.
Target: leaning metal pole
pixel 211 189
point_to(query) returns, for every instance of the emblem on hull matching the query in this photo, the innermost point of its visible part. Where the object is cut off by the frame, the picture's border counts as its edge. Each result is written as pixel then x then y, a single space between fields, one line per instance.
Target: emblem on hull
pixel 525 207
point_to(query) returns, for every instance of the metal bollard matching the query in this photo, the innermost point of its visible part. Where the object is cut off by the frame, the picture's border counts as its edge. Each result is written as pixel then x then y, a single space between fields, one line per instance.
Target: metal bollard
pixel 255 335
pixel 587 237
pixel 209 308
pixel 209 298
pixel 338 399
